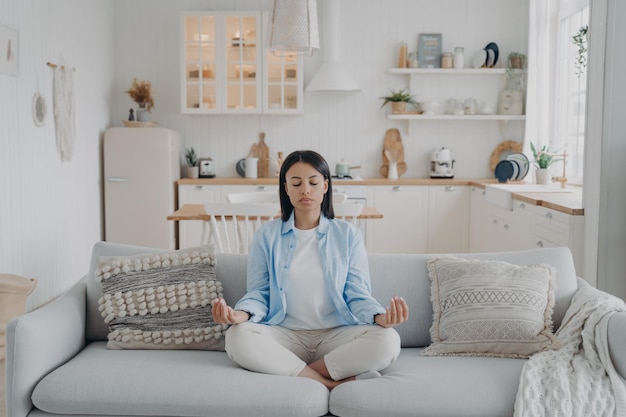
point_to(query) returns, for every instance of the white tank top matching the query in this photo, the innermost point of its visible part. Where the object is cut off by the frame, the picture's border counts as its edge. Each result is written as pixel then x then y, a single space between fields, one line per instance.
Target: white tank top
pixel 309 306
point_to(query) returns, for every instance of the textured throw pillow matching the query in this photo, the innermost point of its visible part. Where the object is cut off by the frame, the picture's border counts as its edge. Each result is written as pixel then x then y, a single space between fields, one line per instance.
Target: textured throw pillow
pixel 160 300
pixel 490 308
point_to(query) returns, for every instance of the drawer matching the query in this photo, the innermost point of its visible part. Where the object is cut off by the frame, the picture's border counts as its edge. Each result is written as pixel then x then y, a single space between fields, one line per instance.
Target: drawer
pixel 547 219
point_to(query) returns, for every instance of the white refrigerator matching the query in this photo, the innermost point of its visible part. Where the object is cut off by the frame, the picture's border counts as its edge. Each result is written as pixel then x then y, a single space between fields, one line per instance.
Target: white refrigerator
pixel 141 167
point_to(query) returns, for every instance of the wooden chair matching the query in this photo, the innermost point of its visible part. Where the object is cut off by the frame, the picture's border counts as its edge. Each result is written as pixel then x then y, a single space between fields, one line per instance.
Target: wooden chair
pixel 271 197
pixel 253 197
pixel 348 211
pixel 232 225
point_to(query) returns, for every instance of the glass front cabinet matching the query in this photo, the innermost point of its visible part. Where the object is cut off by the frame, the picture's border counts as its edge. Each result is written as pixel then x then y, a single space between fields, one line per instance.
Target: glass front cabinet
pixel 226 68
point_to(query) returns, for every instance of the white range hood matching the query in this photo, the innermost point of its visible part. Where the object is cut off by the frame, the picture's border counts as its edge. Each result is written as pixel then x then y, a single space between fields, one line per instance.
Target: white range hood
pixel 332 75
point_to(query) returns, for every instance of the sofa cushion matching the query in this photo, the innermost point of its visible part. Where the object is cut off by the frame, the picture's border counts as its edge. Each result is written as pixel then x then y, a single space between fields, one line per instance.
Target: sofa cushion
pixel 490 308
pixel 426 386
pixel 407 275
pixel 160 300
pixel 101 382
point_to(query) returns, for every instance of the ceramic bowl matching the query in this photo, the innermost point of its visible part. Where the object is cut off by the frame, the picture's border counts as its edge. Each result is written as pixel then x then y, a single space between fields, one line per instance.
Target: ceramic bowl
pixel 430 107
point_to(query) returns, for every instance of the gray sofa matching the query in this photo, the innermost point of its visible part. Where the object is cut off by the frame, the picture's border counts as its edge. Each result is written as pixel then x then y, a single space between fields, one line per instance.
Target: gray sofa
pixel 57 362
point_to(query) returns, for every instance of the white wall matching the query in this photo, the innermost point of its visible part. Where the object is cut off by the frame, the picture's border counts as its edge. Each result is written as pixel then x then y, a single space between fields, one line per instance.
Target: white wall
pixel 50 212
pixel 339 125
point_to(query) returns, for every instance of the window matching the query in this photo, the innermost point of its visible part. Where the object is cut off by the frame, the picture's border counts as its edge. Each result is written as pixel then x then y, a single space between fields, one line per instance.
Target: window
pixel 571 89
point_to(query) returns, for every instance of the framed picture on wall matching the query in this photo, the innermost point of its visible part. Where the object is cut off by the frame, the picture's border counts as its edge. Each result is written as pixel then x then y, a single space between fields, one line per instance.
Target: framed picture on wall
pixel 429 50
pixel 9 48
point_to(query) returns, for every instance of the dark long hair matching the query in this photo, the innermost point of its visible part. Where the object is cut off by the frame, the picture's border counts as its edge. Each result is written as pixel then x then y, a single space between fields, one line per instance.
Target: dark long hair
pixel 320 165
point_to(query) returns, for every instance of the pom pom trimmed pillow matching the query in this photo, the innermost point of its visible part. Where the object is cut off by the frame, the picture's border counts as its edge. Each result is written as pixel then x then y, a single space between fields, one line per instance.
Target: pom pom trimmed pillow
pixel 490 308
pixel 160 300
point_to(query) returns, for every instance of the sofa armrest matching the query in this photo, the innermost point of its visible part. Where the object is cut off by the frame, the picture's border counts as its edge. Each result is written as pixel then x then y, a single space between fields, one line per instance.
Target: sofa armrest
pixel 39 342
pixel 617 342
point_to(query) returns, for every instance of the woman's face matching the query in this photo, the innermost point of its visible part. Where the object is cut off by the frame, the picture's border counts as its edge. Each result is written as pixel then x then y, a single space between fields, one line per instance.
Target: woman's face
pixel 305 187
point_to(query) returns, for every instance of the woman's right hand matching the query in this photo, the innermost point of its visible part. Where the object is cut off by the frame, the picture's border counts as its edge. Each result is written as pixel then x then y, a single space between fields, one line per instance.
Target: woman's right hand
pixel 224 314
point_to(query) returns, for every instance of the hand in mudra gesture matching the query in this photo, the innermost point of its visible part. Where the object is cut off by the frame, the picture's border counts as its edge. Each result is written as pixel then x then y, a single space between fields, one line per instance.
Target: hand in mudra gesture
pixel 224 314
pixel 397 312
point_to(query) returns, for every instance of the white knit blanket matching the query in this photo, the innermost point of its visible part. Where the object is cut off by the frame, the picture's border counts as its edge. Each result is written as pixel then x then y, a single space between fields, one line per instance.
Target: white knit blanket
pixel 579 379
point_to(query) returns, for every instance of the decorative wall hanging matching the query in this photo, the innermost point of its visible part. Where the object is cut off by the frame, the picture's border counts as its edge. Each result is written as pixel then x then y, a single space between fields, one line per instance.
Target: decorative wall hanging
pixel 40 109
pixel 9 51
pixel 64 110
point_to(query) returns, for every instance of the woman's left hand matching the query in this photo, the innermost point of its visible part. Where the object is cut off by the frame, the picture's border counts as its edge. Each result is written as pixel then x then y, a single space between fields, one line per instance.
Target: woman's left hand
pixel 397 312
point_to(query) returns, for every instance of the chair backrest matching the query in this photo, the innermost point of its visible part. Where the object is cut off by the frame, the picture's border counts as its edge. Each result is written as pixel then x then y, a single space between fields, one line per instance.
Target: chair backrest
pixel 232 225
pixel 348 211
pixel 253 197
pixel 339 198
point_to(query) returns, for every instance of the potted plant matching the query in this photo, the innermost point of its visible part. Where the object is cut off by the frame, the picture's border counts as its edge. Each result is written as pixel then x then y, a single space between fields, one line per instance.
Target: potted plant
pixel 192 168
pixel 580 40
pixel 516 60
pixel 141 93
pixel 399 99
pixel 543 158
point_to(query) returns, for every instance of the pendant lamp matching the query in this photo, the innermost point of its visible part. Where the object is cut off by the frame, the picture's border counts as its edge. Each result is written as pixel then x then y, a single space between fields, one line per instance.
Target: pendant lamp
pixel 294 28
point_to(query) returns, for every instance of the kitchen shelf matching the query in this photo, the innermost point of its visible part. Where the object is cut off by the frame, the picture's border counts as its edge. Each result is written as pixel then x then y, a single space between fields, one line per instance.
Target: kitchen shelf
pixel 499 117
pixel 448 71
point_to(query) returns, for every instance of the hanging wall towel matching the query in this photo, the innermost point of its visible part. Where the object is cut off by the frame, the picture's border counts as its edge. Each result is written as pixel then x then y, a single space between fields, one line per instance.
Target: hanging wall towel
pixel 64 110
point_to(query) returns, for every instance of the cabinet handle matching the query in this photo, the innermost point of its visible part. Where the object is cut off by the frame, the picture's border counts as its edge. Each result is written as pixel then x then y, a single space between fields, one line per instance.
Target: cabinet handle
pixel 261 187
pixel 199 187
pixel 494 221
pixel 484 192
pixel 396 188
pixel 548 215
pixel 117 179
pixel 449 188
pixel 540 244
pixel 522 206
pixel 505 227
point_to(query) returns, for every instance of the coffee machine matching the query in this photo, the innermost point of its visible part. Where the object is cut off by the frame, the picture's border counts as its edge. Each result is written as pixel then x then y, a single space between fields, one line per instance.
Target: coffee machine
pixel 441 163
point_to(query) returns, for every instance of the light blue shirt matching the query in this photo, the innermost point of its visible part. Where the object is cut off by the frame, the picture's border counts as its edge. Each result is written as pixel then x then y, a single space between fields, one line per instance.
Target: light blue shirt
pixel 344 262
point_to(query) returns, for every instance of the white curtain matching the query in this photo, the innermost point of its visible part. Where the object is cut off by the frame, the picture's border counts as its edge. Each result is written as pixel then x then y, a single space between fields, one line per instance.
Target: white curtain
pixel 540 90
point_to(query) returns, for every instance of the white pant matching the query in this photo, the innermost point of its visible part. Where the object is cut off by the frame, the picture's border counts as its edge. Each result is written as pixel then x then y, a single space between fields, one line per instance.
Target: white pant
pixel 347 350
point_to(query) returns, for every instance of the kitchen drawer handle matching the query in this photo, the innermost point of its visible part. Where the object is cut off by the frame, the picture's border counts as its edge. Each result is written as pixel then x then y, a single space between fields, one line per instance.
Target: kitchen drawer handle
pixel 117 179
pixel 522 206
pixel 540 244
pixel 494 221
pixel 261 187
pixel 449 188
pixel 199 187
pixel 548 215
pixel 396 188
pixel 506 227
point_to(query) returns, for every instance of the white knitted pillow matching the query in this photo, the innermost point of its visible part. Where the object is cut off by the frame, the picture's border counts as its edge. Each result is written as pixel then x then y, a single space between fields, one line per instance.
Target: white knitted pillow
pixel 160 300
pixel 490 308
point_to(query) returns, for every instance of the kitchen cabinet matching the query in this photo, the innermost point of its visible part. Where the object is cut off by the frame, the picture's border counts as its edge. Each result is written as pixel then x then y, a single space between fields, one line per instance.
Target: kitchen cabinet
pixel 552 228
pixel 404 228
pixel 225 68
pixel 448 219
pixel 479 220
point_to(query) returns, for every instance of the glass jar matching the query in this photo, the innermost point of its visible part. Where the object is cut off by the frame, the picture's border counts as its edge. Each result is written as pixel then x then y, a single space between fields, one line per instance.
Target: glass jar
pixel 446 60
pixel 459 57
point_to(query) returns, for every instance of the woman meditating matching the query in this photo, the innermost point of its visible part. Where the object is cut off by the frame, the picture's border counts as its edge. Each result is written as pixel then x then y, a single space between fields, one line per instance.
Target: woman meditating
pixel 308 310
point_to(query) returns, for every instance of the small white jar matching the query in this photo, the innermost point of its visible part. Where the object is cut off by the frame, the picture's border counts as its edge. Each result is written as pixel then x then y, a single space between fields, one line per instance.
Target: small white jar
pixel 459 57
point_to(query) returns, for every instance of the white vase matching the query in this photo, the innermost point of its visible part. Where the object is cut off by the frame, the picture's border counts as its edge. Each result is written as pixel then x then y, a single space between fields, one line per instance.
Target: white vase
pixel 543 176
pixel 192 172
pixel 142 114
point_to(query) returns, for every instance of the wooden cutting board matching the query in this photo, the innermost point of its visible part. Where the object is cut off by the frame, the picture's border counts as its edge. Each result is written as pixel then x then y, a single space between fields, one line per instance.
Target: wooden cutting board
pixel 261 150
pixel 393 143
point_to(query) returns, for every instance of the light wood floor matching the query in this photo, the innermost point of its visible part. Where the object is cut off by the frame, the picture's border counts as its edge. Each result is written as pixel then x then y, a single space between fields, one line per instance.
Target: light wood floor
pixel 3 405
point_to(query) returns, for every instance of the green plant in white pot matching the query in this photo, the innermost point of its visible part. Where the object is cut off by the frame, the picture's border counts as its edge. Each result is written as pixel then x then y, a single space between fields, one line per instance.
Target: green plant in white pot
pixel 192 169
pixel 543 158
pixel 399 99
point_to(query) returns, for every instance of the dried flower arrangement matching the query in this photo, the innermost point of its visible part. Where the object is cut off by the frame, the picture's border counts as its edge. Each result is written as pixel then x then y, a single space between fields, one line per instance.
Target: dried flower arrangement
pixel 141 93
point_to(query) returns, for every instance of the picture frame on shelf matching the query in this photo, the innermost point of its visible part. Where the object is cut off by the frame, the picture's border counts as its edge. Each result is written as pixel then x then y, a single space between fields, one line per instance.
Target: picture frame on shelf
pixel 429 50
